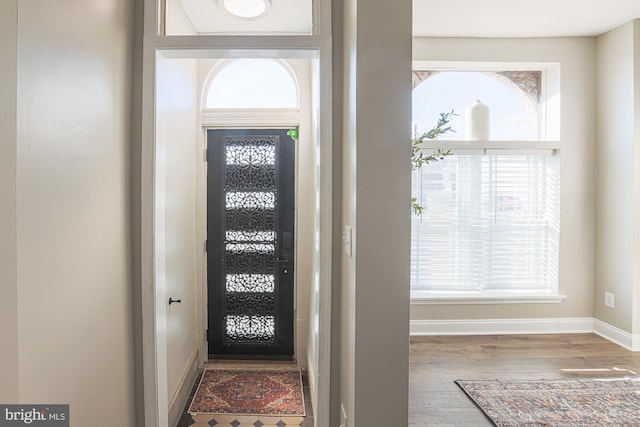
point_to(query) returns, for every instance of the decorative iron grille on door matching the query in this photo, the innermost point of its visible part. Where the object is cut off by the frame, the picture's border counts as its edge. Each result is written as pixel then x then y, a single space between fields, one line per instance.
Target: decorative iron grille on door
pixel 250 242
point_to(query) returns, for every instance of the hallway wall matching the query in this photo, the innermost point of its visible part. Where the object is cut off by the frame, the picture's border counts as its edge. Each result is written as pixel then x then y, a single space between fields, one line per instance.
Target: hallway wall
pixel 74 314
pixel 617 268
pixel 9 355
pixel 176 118
pixel 376 183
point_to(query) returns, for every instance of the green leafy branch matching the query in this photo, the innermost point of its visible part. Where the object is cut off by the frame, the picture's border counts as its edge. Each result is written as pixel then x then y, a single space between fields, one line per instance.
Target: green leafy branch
pixel 293 134
pixel 419 158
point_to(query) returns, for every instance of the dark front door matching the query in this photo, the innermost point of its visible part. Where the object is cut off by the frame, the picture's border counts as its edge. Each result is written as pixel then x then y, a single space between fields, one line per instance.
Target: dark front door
pixel 250 208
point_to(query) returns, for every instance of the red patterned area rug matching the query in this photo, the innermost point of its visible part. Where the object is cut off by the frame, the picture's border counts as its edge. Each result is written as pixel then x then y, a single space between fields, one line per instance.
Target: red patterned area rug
pixel 249 392
pixel 571 402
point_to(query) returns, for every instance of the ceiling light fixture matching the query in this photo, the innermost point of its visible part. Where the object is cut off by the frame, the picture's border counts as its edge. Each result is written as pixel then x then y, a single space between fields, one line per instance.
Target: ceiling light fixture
pixel 248 9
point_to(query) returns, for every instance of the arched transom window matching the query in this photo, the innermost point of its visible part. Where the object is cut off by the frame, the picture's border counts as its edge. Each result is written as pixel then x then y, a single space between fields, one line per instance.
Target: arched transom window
pixel 512 97
pixel 252 83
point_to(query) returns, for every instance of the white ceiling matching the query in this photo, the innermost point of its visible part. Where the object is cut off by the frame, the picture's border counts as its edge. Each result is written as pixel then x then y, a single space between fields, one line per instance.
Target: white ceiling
pixel 285 17
pixel 443 18
pixel 520 18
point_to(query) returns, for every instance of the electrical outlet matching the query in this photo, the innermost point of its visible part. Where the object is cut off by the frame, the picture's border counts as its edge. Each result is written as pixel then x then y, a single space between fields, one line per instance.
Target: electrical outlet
pixel 610 299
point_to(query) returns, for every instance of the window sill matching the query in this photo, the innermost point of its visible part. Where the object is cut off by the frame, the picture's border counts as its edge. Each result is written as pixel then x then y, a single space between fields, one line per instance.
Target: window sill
pixel 470 297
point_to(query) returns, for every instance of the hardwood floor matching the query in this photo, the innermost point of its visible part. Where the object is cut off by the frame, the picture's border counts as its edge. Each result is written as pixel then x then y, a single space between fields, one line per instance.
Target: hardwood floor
pixel 436 362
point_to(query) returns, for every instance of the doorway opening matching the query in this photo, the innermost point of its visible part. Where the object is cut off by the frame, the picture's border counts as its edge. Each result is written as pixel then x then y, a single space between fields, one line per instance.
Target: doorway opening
pixel 262 94
pixel 250 243
pixel 184 115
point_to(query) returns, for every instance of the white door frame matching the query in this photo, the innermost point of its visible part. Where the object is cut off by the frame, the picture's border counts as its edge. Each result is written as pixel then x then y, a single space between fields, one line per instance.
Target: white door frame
pixel 152 304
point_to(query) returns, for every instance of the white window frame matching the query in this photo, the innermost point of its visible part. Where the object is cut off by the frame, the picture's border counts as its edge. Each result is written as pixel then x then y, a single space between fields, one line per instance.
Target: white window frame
pixel 548 144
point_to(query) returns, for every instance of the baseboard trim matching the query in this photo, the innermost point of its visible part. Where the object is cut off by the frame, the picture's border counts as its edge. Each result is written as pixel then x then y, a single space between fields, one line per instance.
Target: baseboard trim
pixel 180 397
pixel 617 335
pixel 502 326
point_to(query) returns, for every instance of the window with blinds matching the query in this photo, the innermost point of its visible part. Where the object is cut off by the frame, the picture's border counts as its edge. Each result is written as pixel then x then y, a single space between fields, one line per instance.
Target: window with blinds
pixel 490 224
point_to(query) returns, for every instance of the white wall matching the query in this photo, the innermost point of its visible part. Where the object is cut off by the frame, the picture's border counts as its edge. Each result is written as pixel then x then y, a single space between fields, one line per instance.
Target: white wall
pixel 577 117
pixel 313 300
pixel 618 175
pixel 376 202
pixel 176 147
pixel 9 380
pixel 73 245
pixel 306 205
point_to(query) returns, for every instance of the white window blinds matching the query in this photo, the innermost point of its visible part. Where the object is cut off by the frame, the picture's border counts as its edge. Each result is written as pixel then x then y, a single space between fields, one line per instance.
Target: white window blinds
pixel 490 223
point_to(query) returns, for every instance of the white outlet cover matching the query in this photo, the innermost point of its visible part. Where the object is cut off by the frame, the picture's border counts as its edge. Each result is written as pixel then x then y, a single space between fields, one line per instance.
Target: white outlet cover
pixel 609 299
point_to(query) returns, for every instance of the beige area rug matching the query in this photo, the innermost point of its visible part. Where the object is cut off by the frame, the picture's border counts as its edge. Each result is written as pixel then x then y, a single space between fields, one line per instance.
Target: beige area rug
pixel 570 402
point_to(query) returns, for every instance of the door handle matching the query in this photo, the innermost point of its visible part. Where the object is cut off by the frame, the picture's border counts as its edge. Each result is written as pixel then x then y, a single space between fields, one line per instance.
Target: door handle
pixel 281 260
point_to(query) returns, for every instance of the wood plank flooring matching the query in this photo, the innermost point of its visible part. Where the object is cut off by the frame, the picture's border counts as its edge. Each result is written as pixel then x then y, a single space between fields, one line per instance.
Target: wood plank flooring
pixel 436 362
